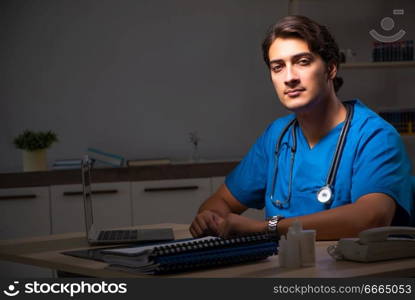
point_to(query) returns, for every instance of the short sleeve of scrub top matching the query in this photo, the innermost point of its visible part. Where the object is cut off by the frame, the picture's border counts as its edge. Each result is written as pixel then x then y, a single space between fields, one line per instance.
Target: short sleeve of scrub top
pixel 248 181
pixel 381 165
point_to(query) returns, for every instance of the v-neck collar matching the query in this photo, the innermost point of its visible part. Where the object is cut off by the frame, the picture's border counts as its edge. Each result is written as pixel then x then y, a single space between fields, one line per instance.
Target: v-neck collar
pixel 303 139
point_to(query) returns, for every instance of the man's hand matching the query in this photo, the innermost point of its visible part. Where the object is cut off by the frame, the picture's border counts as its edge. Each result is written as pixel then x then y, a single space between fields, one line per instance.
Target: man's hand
pixel 210 223
pixel 213 212
pixel 205 223
pixel 235 224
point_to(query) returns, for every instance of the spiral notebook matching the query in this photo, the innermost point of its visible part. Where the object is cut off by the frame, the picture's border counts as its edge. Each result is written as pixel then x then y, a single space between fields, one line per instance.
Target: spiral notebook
pixel 191 254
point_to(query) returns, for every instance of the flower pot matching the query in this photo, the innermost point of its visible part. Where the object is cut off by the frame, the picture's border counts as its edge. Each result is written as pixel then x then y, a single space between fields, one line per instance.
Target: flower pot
pixel 34 160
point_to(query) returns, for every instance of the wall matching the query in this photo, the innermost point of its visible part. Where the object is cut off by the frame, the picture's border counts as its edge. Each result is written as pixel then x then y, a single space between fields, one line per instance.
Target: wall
pixel 135 77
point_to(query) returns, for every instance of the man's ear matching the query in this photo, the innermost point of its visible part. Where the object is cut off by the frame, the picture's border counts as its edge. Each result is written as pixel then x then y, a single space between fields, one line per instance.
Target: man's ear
pixel 331 71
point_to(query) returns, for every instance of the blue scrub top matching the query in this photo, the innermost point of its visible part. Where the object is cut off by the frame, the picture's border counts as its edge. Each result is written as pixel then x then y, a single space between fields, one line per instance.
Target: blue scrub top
pixel 374 160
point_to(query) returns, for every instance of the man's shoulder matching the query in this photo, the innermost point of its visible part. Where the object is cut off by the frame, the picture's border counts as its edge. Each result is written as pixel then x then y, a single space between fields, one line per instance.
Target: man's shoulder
pixel 369 125
pixel 367 120
pixel 275 129
pixel 280 123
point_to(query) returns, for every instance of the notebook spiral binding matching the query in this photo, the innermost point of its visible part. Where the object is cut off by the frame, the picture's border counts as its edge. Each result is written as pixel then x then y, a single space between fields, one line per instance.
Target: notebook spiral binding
pixel 209 259
pixel 211 253
pixel 216 243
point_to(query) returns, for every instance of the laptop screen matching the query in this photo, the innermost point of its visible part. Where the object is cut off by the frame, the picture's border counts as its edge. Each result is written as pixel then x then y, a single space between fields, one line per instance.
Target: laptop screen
pixel 86 185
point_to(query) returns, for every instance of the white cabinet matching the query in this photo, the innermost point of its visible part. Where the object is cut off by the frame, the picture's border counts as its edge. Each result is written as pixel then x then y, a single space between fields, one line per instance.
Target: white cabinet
pixel 111 204
pixel 24 212
pixel 168 201
pixel 257 214
pixel 216 183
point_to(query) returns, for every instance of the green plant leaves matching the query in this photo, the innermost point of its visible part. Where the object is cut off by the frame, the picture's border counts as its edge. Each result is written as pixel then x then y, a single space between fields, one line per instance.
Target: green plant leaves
pixel 32 140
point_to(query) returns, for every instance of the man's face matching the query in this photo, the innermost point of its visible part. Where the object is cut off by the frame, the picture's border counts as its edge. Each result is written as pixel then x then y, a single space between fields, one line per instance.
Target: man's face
pixel 299 76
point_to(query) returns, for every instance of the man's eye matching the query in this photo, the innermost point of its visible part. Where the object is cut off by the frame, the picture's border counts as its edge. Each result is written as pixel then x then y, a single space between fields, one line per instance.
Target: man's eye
pixel 276 68
pixel 304 62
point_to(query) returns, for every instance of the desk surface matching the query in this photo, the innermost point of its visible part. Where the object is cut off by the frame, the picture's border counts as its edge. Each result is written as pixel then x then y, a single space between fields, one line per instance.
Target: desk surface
pixel 46 252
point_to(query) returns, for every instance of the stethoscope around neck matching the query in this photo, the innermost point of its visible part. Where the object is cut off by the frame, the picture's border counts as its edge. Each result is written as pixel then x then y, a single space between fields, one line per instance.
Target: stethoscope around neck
pixel 325 193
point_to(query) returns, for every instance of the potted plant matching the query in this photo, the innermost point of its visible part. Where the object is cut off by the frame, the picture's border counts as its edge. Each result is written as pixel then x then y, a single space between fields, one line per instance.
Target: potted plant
pixel 34 145
pixel 194 139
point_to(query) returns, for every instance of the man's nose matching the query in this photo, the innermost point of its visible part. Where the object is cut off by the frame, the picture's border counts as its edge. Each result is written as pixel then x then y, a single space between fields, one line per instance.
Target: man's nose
pixel 291 77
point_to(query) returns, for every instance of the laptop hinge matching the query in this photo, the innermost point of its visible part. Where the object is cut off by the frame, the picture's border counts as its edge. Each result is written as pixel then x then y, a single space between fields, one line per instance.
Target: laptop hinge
pixel 93 234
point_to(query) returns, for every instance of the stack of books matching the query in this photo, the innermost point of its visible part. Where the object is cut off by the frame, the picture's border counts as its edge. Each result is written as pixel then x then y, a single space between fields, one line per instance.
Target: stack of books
pixel 104 158
pixel 403 120
pixel 191 254
pixel 64 164
pixel 148 162
pixel 397 51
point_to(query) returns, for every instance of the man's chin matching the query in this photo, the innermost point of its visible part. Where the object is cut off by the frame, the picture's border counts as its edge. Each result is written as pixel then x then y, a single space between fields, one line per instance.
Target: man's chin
pixel 296 104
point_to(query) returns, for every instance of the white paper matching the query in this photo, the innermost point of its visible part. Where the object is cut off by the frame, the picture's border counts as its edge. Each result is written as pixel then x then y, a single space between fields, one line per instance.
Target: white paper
pixel 144 250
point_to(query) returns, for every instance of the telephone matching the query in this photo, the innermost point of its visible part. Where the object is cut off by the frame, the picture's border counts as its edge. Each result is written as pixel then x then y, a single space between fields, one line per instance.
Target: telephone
pixel 376 244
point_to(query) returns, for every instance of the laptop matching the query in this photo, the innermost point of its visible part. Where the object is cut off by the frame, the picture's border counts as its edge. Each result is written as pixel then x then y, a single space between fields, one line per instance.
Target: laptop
pixel 108 236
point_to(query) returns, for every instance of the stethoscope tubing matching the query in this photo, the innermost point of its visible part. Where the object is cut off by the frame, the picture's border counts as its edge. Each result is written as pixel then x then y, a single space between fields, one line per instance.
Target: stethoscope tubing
pixel 334 163
pixel 277 153
pixel 340 145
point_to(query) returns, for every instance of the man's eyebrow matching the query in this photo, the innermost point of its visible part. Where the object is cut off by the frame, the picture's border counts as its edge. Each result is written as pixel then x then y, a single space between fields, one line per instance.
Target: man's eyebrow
pixel 294 57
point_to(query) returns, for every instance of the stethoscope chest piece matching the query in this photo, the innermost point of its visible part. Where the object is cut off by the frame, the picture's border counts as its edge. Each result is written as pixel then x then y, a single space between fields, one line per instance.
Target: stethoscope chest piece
pixel 279 204
pixel 324 194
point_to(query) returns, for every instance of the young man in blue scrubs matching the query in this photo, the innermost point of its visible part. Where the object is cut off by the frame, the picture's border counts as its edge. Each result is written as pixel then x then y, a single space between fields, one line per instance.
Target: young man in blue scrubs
pixel 292 163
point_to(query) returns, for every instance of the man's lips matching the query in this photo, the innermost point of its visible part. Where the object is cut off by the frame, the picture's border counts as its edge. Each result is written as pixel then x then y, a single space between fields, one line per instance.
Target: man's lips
pixel 294 92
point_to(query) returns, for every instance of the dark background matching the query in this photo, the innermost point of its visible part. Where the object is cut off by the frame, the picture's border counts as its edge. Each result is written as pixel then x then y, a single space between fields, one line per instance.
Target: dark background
pixel 135 77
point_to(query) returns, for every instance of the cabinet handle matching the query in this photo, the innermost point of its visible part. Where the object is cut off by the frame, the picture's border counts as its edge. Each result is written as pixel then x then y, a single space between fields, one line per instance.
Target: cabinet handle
pixel 17 197
pixel 78 193
pixel 171 188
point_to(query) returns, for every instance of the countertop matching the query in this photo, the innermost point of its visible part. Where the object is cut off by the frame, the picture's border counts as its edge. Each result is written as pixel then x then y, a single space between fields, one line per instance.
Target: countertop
pixel 142 173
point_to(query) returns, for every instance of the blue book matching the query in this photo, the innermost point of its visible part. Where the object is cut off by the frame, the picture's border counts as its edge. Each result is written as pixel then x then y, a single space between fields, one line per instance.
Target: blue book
pixel 106 158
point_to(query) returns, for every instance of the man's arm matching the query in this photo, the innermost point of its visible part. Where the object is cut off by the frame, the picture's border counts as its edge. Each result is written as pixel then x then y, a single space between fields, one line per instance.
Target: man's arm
pixel 223 202
pixel 371 210
pixel 214 211
pixel 219 215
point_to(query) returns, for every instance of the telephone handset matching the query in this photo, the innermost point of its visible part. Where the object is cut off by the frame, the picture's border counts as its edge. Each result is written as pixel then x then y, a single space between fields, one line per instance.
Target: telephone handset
pixel 376 244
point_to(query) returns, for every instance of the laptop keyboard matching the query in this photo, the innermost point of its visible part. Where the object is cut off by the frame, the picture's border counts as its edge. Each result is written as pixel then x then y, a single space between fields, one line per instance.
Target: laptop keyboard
pixel 117 235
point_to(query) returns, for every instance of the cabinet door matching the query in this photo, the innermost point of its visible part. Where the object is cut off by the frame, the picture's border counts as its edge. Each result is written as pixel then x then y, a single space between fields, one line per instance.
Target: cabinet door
pixel 216 183
pixel 168 201
pixel 111 206
pixel 409 142
pixel 24 212
pixel 257 214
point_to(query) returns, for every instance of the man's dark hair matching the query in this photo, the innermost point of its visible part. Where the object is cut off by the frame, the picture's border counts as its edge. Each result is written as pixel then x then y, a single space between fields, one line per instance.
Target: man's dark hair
pixel 317 37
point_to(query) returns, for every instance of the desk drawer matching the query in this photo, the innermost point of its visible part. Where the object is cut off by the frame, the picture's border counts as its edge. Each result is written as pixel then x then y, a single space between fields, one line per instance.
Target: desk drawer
pixel 24 212
pixel 110 201
pixel 165 201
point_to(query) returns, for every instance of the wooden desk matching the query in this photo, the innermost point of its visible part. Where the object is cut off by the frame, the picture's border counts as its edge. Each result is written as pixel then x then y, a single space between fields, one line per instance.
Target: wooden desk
pixel 46 252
